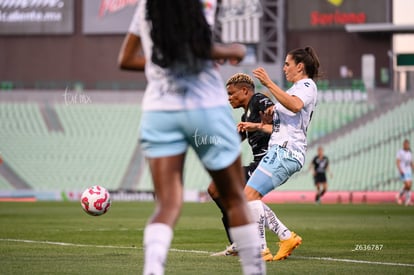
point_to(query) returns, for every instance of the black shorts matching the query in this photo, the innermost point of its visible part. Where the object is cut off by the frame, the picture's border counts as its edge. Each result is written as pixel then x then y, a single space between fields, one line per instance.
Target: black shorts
pixel 249 169
pixel 320 178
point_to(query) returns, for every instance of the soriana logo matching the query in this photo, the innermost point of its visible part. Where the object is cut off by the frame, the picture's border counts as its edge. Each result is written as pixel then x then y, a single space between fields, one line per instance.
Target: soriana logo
pixel 334 14
pixel 337 17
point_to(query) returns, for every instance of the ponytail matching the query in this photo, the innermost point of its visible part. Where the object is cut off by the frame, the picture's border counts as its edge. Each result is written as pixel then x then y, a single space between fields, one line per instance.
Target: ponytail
pixel 310 60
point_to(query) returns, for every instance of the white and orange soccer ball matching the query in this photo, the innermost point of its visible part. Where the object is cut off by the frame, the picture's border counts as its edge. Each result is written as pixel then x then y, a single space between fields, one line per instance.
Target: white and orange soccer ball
pixel 95 200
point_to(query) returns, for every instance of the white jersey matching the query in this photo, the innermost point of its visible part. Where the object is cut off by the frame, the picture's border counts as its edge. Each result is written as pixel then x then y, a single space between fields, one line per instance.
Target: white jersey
pixel 167 90
pixel 210 7
pixel 406 159
pixel 289 128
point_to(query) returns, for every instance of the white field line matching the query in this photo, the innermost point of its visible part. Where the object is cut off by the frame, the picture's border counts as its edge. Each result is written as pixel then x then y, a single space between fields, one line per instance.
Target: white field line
pixel 350 261
pixel 204 252
pixel 93 245
pixel 66 244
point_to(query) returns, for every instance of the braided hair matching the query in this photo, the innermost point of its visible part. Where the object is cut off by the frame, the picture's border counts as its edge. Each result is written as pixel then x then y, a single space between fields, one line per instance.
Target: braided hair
pixel 241 79
pixel 180 33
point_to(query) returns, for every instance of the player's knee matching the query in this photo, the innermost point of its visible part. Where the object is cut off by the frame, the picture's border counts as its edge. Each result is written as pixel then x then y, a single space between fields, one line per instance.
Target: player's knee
pixel 168 212
pixel 252 194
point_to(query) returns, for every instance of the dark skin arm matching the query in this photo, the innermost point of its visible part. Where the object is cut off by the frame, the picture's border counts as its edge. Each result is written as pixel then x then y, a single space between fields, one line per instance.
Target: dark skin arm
pixel 252 126
pixel 131 57
pixel 234 53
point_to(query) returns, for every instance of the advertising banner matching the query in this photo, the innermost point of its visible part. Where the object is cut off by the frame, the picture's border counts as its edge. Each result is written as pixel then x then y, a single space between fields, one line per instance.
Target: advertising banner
pixel 334 14
pixel 107 16
pixel 36 17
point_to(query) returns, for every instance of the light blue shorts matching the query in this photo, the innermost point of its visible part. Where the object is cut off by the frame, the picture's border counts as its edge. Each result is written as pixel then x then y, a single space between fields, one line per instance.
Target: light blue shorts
pixel 210 132
pixel 406 176
pixel 275 168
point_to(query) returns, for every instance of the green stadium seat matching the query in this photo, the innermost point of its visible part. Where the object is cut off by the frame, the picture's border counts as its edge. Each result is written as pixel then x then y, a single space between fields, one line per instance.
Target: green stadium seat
pixel 98 141
pixel 364 158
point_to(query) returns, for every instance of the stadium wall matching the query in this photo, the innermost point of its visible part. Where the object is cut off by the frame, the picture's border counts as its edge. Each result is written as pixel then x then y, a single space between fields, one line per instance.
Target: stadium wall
pixel 89 60
pixel 275 197
pixel 337 48
pixel 52 61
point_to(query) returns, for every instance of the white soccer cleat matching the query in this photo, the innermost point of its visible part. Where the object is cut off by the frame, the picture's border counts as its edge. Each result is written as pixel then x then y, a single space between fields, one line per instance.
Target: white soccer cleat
pixel 229 251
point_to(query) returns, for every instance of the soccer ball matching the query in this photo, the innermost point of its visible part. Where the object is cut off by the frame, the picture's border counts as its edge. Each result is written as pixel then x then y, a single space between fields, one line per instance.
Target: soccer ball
pixel 95 200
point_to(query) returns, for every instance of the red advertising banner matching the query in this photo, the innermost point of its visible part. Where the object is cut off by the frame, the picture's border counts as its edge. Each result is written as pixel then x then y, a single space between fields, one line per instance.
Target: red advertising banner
pixel 334 14
pixel 107 16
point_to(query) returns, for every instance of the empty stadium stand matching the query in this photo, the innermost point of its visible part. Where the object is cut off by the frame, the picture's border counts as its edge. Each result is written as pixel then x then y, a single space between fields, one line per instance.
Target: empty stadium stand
pixel 364 158
pixel 94 146
pixel 48 144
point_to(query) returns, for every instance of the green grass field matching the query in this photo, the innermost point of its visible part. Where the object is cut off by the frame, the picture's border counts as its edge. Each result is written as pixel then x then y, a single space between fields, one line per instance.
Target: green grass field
pixel 59 238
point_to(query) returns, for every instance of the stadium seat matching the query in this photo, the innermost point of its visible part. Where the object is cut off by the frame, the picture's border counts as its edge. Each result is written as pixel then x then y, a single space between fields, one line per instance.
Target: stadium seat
pixel 364 158
pixel 97 142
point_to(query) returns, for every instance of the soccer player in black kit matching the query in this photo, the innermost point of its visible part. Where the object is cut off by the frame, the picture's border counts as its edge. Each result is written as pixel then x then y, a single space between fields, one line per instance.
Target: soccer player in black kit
pixel 320 165
pixel 241 93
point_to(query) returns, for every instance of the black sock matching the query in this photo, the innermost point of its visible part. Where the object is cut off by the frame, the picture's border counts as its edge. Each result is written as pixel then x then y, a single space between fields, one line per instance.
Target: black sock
pixel 224 218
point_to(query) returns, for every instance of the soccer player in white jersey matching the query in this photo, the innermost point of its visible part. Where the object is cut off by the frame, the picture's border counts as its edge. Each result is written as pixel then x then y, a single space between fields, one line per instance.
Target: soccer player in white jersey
pixel 185 99
pixel 287 146
pixel 405 167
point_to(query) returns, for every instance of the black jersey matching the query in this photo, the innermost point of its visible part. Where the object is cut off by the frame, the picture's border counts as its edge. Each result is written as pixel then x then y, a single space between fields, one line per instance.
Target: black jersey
pixel 320 165
pixel 258 140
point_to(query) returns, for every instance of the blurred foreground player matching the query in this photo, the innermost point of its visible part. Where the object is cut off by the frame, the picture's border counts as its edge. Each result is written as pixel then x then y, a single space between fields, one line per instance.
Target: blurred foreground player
pixel 185 95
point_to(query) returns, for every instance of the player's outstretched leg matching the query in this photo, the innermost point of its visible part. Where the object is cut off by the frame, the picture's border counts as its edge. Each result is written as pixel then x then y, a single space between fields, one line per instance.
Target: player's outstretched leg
pixel 243 230
pixel 288 240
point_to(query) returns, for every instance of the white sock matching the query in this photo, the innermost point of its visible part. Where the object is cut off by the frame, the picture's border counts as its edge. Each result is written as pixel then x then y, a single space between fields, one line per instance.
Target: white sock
pixel 157 241
pixel 407 196
pixel 258 216
pixel 275 225
pixel 247 239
